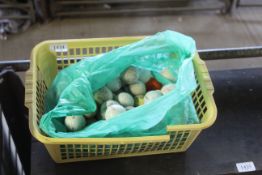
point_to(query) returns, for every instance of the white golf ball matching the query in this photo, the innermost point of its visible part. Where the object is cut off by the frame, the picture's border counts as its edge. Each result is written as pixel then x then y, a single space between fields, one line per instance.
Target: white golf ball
pixel 75 123
pixel 113 111
pixel 168 75
pixel 105 105
pixel 168 88
pixel 129 108
pixel 111 102
pixel 152 95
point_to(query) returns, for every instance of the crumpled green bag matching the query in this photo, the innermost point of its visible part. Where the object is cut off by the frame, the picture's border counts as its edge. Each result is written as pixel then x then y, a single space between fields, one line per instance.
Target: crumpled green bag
pixel 71 93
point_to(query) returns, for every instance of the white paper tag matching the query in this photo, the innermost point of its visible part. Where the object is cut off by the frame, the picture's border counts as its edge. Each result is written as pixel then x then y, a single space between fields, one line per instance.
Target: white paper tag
pixel 246 167
pixel 58 47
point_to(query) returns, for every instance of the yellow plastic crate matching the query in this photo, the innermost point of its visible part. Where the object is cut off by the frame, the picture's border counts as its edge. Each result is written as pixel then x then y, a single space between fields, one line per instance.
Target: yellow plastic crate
pixel 49 57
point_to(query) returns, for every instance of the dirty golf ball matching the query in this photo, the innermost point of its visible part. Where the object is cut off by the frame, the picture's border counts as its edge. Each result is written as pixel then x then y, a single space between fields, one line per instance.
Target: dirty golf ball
pixel 137 88
pixel 102 95
pixel 103 110
pixel 130 76
pixel 114 85
pixel 144 75
pixel 125 99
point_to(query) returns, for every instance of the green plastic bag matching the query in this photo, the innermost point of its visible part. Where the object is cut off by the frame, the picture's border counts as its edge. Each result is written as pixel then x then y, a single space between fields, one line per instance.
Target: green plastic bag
pixel 71 93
